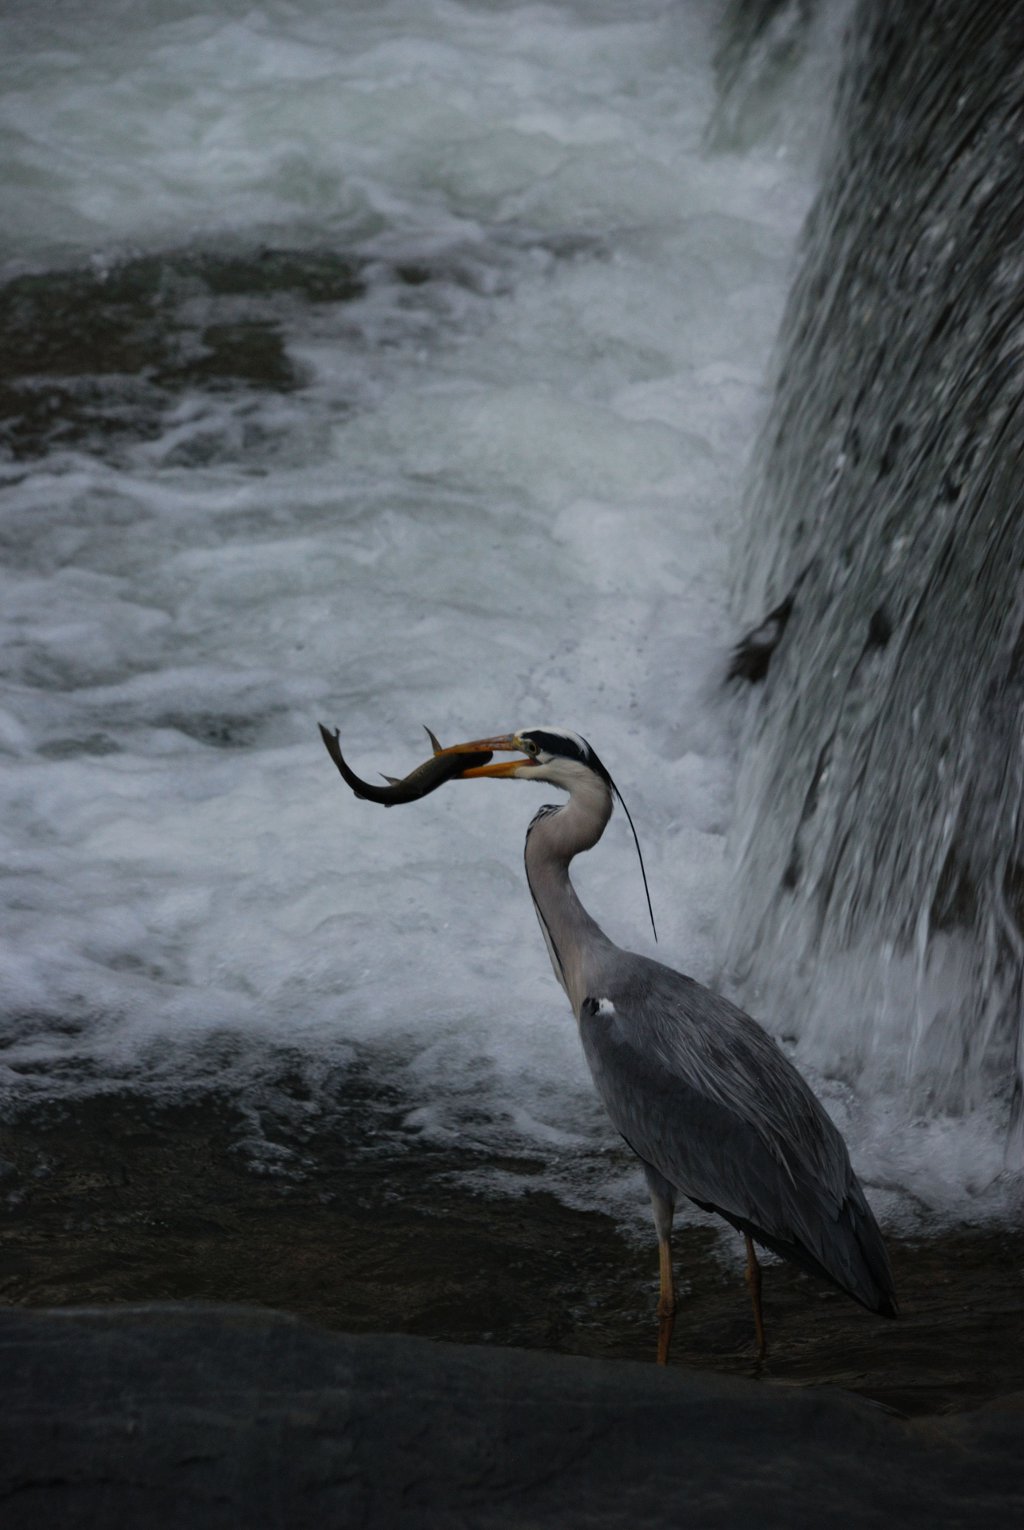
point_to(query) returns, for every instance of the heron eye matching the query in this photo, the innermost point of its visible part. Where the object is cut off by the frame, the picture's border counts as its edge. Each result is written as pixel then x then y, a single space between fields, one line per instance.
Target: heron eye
pixel 532 747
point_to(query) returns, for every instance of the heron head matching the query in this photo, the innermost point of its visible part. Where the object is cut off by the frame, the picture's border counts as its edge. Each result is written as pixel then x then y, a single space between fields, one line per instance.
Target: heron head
pixel 547 754
pixel 561 757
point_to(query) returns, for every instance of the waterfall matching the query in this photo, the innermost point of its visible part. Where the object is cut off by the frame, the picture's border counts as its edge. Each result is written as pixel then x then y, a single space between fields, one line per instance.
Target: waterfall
pixel 878 840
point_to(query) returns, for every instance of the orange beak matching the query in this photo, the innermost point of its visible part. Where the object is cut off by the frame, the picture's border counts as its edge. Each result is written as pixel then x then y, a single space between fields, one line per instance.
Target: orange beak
pixel 505 743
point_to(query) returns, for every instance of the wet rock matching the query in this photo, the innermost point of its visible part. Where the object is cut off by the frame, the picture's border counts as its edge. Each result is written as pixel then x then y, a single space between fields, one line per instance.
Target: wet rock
pixel 229 1416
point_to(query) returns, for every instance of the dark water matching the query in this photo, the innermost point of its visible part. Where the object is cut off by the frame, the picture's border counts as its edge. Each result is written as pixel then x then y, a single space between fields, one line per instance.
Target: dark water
pixel 119 1199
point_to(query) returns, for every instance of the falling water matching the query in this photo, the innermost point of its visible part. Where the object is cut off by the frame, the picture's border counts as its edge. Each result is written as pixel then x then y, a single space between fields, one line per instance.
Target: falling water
pixel 879 839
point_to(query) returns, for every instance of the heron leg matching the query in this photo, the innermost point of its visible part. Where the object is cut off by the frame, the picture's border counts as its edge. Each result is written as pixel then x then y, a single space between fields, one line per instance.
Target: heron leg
pixel 754 1284
pixel 666 1300
pixel 663 1204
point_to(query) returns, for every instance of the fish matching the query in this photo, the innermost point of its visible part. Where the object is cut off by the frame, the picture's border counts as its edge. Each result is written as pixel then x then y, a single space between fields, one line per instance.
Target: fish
pixel 418 783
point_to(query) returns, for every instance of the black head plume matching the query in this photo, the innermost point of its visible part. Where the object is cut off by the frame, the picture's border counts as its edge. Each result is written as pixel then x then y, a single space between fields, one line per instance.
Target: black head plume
pixel 572 747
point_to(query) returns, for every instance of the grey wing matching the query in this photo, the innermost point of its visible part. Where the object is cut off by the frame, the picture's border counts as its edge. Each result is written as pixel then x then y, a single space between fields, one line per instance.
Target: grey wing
pixel 704 1096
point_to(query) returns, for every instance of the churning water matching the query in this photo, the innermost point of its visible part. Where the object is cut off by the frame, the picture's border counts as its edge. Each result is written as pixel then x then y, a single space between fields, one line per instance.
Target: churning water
pixel 378 365
pixel 878 849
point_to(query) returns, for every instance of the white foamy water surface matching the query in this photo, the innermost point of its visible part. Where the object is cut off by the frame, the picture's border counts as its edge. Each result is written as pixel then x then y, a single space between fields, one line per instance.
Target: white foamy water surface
pixel 501 494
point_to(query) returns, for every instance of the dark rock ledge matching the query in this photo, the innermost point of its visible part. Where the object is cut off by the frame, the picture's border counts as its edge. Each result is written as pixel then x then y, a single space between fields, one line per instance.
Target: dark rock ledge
pixel 217 1416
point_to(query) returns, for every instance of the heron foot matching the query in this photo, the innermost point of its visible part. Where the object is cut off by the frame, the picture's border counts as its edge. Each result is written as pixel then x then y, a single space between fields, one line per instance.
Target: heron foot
pixel 753 1278
pixel 666 1300
pixel 666 1322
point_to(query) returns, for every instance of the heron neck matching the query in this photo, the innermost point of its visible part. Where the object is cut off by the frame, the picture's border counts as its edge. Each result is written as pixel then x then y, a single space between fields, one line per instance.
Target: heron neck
pixel 576 943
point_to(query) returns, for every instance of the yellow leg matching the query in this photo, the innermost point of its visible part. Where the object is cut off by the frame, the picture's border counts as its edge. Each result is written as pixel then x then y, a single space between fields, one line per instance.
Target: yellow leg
pixel 666 1300
pixel 754 1283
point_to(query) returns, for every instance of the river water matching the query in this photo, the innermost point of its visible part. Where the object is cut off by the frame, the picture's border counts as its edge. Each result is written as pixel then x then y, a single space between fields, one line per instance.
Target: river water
pixel 380 366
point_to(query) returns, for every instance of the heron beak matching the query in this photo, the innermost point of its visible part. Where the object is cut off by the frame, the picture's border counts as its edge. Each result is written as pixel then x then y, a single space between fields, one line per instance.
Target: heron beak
pixel 507 743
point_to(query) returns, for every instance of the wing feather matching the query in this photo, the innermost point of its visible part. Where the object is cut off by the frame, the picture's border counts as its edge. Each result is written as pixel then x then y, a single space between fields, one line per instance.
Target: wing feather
pixel 706 1097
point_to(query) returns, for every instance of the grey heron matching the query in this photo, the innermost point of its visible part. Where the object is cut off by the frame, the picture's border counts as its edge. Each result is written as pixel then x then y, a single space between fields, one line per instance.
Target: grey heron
pixel 703 1095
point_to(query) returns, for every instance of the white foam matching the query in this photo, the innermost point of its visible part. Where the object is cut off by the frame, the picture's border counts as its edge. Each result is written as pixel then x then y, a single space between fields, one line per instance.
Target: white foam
pixel 503 495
